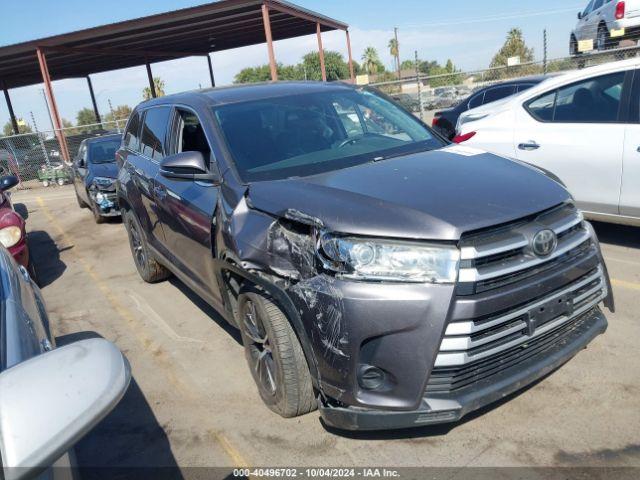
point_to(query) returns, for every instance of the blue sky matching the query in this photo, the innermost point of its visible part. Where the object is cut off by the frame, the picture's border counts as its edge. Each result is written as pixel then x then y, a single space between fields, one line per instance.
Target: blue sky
pixel 467 31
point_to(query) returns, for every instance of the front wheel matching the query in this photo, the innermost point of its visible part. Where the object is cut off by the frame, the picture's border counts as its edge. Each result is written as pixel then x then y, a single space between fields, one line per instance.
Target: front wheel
pixel 274 355
pixel 148 267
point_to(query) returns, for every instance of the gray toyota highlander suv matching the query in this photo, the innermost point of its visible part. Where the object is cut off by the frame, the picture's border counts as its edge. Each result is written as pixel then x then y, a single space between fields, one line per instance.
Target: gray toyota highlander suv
pixel 375 271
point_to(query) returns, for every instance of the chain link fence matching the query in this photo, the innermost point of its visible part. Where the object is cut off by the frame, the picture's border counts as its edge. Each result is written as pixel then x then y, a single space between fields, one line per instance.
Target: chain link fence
pixel 425 95
pixel 38 159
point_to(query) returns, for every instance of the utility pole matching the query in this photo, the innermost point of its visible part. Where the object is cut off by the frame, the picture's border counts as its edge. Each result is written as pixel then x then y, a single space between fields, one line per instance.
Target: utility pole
pixel 395 33
pixel 544 49
pixel 419 87
pixel 113 115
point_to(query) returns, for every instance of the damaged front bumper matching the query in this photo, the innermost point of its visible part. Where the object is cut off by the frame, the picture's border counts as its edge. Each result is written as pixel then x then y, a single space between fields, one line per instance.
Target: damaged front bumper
pixel 436 409
pixel 106 202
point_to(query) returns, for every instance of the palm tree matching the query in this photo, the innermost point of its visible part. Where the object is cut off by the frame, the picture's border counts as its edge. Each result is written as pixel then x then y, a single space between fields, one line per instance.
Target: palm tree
pixel 158 85
pixel 394 50
pixel 370 60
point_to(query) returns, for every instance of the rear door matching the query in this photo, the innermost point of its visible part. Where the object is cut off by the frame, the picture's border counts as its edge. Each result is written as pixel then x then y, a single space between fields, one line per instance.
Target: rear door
pixel 630 190
pixel 144 165
pixel 577 132
pixel 187 209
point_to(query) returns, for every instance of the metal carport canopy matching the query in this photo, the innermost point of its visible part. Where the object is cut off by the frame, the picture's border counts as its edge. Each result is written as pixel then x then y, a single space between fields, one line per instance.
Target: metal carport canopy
pixel 191 31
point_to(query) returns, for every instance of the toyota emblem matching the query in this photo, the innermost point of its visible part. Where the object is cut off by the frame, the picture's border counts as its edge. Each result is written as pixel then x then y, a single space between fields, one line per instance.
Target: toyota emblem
pixel 544 243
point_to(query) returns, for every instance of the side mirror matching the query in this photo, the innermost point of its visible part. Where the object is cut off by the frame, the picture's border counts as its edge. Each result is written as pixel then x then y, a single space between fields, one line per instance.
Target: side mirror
pixel 579 15
pixel 49 402
pixel 188 166
pixel 8 182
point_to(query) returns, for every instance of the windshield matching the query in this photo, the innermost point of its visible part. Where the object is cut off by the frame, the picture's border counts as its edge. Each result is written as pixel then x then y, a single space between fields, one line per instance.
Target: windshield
pixel 302 135
pixel 104 151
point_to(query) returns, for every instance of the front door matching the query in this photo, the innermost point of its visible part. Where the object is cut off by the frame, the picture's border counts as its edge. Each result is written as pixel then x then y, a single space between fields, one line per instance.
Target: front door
pixel 187 211
pixel 80 171
pixel 577 133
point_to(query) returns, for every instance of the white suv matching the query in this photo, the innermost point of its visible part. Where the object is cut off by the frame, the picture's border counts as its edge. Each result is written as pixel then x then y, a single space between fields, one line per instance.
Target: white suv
pixel 583 126
pixel 605 23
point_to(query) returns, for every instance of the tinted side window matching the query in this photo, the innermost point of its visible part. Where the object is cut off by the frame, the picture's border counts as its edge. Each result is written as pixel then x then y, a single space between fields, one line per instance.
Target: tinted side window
pixel 476 101
pixel 154 130
pixel 596 100
pixel 598 4
pixel 131 136
pixel 524 86
pixel 498 93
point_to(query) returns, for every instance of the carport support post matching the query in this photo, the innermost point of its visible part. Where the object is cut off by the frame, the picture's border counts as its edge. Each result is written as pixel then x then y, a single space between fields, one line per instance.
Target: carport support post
pixel 93 101
pixel 152 85
pixel 57 122
pixel 14 121
pixel 267 33
pixel 213 81
pixel 323 68
pixel 351 72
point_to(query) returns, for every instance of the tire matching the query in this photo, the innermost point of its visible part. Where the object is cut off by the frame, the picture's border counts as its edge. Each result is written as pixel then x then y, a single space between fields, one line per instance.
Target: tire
pixel 45 183
pixel 81 203
pixel 274 355
pixel 573 46
pixel 60 182
pixel 602 39
pixel 148 267
pixel 96 214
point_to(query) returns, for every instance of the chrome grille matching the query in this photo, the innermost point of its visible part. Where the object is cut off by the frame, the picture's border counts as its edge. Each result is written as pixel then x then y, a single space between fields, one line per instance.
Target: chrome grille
pixel 469 341
pixel 492 259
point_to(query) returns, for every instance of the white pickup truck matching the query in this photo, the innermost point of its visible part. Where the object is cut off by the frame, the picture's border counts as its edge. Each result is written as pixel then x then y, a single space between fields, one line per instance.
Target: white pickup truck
pixel 604 23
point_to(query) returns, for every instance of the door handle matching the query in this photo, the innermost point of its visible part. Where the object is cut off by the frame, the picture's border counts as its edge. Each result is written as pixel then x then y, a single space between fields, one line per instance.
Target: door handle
pixel 530 145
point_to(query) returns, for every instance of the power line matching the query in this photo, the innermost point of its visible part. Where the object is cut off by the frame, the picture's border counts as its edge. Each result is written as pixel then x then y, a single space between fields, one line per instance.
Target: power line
pixel 493 18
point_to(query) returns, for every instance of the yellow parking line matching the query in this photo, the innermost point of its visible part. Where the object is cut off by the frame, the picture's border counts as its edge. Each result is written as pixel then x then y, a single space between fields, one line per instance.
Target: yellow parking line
pixel 144 340
pixel 624 284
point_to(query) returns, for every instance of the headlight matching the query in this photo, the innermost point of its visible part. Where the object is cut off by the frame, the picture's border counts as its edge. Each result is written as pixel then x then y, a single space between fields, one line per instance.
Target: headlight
pixel 375 259
pixel 103 182
pixel 100 197
pixel 9 236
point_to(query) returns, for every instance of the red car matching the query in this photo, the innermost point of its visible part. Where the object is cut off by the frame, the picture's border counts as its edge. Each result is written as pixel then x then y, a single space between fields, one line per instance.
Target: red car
pixel 12 225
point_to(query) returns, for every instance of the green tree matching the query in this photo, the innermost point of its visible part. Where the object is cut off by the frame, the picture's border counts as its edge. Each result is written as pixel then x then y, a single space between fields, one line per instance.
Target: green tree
pixel 86 116
pixel 408 65
pixel 335 65
pixel 121 112
pixel 514 46
pixel 158 84
pixel 371 61
pixel 23 127
pixel 394 50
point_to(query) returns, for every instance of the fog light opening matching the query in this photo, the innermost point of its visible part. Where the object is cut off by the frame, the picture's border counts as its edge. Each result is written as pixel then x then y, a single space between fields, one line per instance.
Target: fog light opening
pixel 371 378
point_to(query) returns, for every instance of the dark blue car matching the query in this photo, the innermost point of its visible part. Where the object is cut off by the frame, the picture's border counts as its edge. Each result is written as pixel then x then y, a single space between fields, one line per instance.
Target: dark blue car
pixel 94 174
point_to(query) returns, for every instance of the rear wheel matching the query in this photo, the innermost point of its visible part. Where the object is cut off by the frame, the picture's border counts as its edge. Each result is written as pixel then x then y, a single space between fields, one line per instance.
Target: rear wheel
pixel 148 267
pixel 274 355
pixel 602 40
pixel 573 46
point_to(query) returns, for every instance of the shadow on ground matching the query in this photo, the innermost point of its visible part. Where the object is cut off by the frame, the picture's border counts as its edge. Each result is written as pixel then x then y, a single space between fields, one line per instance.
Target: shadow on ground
pixel 129 442
pixel 45 256
pixel 22 210
pixel 620 235
pixel 207 309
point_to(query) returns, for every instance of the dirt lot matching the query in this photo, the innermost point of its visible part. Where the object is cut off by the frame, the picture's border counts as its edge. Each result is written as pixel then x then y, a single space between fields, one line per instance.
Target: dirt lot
pixel 192 401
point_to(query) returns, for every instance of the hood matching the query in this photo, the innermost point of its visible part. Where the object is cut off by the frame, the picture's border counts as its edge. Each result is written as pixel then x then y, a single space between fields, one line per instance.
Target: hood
pixel 435 195
pixel 109 170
